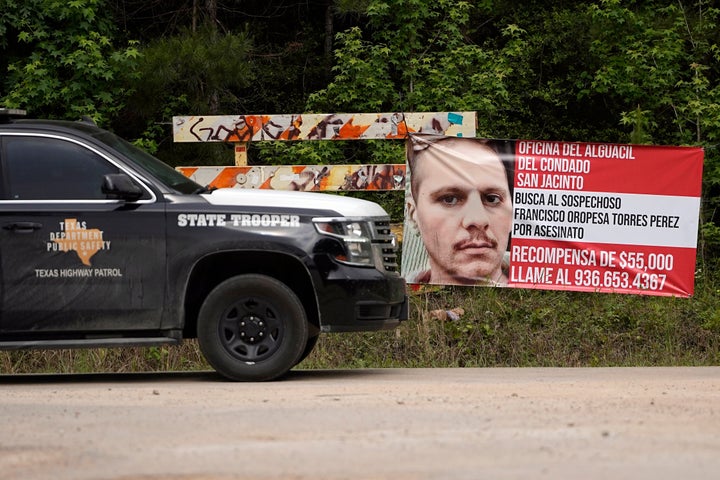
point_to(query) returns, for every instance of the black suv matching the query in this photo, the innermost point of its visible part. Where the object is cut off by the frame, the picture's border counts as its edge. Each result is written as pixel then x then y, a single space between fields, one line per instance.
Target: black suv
pixel 104 245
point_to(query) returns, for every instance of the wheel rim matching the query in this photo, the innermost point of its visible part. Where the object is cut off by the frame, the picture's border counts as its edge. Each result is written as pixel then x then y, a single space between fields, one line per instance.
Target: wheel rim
pixel 251 329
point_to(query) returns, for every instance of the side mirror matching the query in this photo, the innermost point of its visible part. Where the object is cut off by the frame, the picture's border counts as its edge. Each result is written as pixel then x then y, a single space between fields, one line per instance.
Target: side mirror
pixel 120 186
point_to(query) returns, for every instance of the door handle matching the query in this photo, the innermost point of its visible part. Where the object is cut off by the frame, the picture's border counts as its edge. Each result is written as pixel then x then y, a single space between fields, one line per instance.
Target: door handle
pixel 23 227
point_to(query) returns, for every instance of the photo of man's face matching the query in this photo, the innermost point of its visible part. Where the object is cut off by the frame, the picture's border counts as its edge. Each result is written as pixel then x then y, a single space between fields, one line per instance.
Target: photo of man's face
pixel 461 204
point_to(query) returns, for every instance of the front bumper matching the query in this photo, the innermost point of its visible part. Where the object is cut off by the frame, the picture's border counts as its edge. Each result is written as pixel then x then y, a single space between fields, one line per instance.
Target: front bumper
pixel 362 299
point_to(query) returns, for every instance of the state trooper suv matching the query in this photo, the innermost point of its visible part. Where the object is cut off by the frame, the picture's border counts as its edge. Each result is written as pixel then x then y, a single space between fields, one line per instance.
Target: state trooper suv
pixel 104 245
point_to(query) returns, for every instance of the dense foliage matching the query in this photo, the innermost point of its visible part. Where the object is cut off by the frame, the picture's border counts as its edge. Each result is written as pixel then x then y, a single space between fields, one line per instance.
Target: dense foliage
pixel 608 70
pixel 604 70
pixel 62 59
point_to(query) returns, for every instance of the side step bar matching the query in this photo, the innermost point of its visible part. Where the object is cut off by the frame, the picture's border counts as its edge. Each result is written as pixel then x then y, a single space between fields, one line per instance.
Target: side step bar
pixel 88 343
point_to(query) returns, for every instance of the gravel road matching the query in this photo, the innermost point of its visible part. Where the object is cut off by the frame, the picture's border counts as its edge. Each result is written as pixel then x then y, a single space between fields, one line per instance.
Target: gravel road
pixel 399 424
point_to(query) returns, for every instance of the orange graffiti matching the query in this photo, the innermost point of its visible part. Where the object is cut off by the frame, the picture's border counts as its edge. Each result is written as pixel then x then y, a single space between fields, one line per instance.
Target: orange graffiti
pixel 349 130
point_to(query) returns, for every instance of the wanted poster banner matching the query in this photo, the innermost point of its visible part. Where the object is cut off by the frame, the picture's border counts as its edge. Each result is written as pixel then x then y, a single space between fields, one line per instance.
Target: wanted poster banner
pixel 579 216
pixel 599 217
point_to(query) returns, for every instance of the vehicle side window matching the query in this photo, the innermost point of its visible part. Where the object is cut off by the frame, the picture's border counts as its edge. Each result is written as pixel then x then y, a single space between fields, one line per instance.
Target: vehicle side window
pixel 53 169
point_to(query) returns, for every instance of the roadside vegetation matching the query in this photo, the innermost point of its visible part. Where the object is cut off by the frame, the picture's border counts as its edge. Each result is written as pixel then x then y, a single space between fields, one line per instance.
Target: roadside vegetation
pixel 499 328
pixel 591 71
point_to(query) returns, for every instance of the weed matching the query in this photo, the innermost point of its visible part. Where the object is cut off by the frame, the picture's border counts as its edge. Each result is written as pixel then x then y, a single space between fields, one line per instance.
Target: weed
pixel 499 328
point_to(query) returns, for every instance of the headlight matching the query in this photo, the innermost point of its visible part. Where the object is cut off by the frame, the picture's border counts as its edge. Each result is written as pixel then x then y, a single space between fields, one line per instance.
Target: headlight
pixel 355 236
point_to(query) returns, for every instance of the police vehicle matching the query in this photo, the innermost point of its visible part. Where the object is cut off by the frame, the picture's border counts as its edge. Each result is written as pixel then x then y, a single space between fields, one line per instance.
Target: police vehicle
pixel 104 245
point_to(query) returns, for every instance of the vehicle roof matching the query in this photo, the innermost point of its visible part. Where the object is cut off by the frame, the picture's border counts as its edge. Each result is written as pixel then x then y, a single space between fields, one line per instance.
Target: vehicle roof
pixel 50 125
pixel 11 119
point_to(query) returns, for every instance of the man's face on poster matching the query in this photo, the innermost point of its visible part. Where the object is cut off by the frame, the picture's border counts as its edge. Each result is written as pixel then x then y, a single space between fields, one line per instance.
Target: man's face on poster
pixel 462 207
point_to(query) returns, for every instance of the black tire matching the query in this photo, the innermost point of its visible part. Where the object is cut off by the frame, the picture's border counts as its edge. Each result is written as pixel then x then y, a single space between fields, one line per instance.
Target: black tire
pixel 252 328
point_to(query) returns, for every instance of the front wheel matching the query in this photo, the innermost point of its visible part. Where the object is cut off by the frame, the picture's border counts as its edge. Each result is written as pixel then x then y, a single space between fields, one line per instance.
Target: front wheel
pixel 252 328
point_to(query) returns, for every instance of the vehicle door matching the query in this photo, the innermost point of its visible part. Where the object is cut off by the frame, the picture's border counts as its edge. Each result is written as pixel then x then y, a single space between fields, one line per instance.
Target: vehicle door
pixel 71 259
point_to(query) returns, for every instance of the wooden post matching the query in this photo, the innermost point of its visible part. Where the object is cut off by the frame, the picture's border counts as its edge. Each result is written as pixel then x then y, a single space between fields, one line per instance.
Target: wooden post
pixel 241 159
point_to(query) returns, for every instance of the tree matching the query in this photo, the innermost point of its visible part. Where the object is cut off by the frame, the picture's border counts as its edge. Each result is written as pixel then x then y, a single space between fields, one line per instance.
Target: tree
pixel 659 68
pixel 417 55
pixel 659 61
pixel 205 57
pixel 64 60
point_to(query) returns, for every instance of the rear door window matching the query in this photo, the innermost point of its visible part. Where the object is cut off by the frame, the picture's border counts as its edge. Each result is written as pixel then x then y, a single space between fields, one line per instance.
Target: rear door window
pixel 38 168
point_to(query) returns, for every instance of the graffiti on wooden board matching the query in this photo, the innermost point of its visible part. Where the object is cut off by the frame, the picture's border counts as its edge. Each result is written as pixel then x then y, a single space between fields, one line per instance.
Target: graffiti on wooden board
pixel 302 177
pixel 335 126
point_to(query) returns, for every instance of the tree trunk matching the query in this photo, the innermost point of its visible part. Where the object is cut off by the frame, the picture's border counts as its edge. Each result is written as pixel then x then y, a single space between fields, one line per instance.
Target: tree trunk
pixel 211 12
pixel 194 15
pixel 329 30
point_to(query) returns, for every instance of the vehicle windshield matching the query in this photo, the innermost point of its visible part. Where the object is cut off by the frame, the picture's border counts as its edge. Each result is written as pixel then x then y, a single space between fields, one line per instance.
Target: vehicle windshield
pixel 162 171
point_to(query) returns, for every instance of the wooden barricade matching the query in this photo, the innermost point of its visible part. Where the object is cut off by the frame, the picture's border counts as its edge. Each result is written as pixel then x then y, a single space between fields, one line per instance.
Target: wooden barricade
pixel 241 129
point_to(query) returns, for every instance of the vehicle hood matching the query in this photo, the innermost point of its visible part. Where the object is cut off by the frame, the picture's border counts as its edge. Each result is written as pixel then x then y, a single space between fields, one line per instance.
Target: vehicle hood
pixel 344 206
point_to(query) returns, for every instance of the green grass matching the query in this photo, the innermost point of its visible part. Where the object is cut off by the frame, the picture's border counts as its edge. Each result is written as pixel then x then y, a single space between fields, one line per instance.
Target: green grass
pixel 185 357
pixel 522 328
pixel 500 328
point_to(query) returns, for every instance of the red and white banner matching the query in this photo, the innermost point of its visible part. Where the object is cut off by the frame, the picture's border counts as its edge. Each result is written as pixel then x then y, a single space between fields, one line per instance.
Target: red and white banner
pixel 601 217
pixel 585 217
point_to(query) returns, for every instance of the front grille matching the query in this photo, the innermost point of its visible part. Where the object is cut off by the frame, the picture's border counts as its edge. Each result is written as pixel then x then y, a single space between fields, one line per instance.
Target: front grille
pixel 385 245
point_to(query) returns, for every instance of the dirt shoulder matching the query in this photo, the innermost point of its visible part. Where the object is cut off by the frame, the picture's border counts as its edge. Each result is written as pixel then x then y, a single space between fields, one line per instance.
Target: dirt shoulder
pixel 638 423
